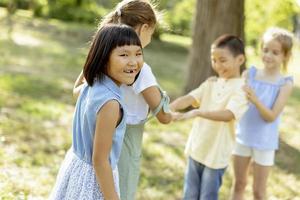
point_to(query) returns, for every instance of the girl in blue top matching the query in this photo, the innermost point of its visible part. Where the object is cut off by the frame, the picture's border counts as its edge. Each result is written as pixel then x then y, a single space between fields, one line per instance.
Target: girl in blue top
pixel 89 170
pixel 257 133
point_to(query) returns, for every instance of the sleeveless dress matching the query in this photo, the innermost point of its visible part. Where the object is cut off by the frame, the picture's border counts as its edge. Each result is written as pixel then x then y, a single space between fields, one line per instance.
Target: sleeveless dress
pixel 76 178
pixel 252 130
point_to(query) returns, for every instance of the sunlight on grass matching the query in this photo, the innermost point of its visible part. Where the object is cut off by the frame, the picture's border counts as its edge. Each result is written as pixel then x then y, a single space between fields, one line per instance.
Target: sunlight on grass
pixel 177 39
pixel 21 39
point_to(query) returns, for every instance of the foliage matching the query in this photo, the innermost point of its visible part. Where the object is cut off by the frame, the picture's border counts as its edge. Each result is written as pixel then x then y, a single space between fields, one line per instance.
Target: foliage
pixel 68 11
pixel 180 17
pixel 23 4
pixel 178 14
pixel 263 14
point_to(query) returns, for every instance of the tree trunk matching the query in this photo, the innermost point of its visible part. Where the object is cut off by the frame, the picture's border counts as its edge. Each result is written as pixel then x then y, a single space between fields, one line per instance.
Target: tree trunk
pixel 212 19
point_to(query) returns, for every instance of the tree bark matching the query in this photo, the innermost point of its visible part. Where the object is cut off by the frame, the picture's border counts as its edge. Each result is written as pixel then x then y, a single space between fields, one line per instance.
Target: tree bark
pixel 212 19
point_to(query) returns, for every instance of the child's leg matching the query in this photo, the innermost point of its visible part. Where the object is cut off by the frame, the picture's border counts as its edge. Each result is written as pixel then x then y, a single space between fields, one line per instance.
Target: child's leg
pixel 129 162
pixel 240 166
pixel 192 180
pixel 261 167
pixel 241 162
pixel 211 182
pixel 260 176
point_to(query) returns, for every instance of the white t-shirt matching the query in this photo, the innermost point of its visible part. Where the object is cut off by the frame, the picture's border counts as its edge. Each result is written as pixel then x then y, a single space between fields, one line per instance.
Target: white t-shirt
pixel 136 106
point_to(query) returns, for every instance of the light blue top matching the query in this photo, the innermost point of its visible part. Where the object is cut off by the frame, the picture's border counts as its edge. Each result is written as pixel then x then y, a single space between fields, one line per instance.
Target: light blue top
pixel 89 103
pixel 252 130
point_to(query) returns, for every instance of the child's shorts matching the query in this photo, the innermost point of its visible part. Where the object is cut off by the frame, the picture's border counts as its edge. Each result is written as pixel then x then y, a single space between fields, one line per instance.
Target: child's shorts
pixel 261 157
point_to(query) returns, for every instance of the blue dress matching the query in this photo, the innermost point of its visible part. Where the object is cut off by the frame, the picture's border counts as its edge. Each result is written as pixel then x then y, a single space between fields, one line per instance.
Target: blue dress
pixel 76 178
pixel 252 130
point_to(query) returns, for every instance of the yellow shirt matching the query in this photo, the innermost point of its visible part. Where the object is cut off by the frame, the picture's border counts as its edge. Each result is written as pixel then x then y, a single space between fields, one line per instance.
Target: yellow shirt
pixel 211 142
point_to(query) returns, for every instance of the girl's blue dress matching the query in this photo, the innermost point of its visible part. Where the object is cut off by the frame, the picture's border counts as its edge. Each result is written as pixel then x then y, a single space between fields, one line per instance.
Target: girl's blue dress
pixel 76 178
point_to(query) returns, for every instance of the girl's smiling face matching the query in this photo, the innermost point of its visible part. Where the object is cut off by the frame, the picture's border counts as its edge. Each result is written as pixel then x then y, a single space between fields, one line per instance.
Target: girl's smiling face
pixel 272 54
pixel 124 64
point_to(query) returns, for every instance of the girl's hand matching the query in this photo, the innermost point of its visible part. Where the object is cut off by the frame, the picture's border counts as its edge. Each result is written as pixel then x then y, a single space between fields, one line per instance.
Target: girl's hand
pixel 250 94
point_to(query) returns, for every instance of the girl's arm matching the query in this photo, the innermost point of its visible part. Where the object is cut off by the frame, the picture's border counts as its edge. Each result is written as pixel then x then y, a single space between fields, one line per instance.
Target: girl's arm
pixel 182 102
pixel 268 114
pixel 153 97
pixel 78 85
pixel 221 115
pixel 107 120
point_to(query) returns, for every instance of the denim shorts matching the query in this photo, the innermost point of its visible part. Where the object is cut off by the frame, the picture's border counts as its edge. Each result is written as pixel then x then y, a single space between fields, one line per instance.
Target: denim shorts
pixel 202 182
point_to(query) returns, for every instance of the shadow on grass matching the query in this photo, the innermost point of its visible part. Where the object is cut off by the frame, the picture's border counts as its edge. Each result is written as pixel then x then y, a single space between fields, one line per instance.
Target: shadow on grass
pixel 288 159
pixel 34 87
pixel 67 33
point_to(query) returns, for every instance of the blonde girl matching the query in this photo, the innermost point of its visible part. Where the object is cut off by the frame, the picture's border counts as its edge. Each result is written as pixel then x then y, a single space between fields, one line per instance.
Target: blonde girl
pixel 268 90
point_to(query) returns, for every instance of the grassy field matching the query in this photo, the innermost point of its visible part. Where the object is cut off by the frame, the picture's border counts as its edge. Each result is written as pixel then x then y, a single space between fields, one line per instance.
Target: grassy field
pixel 40 60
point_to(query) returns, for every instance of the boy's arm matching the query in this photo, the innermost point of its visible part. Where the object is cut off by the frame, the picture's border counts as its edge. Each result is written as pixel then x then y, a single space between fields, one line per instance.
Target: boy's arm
pixel 182 102
pixel 234 109
pixel 78 85
pixel 266 113
pixel 221 115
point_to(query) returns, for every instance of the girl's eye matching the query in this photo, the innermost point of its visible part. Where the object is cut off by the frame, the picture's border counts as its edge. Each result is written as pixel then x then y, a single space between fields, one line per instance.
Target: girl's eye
pixel 123 55
pixel 139 54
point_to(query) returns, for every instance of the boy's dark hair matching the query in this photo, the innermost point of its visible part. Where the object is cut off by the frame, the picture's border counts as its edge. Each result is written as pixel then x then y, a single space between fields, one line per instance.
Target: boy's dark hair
pixel 106 39
pixel 233 43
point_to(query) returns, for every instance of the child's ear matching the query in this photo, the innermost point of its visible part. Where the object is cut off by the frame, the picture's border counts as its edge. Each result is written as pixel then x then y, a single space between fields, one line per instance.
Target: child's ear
pixel 241 59
pixel 144 27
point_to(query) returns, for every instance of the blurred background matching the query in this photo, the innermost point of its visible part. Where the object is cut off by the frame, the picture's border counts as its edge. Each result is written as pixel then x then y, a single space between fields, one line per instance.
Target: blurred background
pixel 43 45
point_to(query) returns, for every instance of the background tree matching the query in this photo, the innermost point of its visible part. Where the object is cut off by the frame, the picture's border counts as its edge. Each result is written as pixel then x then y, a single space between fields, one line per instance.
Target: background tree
pixel 212 19
pixel 11 9
pixel 262 14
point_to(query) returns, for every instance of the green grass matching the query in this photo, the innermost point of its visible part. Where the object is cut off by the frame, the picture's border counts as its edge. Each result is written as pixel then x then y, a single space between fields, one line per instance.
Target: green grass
pixel 39 63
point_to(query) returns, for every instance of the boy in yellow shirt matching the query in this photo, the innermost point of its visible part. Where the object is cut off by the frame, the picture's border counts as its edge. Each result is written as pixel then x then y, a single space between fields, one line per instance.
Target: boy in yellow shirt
pixel 220 103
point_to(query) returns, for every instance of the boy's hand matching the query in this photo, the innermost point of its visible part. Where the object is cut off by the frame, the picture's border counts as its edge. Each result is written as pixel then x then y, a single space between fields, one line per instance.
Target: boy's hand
pixel 176 116
pixel 183 116
pixel 191 114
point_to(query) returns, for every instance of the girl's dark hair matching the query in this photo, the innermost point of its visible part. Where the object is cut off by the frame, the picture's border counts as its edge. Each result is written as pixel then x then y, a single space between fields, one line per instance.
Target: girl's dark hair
pixel 233 43
pixel 106 39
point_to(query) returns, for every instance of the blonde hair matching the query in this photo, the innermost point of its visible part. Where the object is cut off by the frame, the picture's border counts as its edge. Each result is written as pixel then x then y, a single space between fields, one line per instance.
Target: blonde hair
pixel 285 38
pixel 132 13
